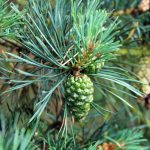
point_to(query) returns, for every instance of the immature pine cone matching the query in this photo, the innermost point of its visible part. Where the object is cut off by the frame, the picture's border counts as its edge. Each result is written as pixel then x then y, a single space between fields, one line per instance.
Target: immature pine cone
pixel 94 67
pixel 79 93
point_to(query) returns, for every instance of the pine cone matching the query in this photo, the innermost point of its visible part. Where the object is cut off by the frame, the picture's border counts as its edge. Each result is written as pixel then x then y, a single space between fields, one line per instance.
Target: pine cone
pixel 94 67
pixel 143 73
pixel 79 93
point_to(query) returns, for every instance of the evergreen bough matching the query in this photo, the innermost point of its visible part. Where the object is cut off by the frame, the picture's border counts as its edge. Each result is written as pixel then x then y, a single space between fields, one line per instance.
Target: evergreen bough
pixel 69 41
pixel 67 38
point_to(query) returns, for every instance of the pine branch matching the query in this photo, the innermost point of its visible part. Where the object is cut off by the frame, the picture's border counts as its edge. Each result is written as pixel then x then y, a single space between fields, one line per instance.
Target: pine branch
pixel 65 39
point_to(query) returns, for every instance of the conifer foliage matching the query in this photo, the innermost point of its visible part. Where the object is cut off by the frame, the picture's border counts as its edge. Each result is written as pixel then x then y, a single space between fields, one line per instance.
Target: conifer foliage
pixel 68 48
pixel 65 39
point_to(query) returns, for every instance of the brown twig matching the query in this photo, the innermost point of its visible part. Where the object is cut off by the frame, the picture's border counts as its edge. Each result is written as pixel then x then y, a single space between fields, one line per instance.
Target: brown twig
pixel 10 43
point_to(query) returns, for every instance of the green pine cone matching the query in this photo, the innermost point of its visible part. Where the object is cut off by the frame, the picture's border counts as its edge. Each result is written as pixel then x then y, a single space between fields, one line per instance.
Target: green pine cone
pixel 143 72
pixel 94 67
pixel 79 93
